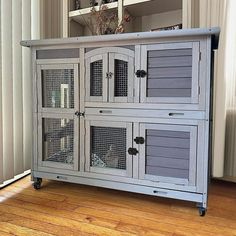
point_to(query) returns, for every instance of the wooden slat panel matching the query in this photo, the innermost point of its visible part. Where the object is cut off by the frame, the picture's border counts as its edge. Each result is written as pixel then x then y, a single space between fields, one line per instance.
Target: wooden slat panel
pixel 169 93
pixel 182 164
pixel 168 133
pixel 168 72
pixel 171 83
pixel 166 172
pixel 168 152
pixel 170 52
pixel 167 142
pixel 58 53
pixel 170 61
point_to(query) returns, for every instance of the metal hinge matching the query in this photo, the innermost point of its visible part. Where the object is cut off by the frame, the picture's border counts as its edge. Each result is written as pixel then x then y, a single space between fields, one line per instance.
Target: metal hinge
pixel 199 90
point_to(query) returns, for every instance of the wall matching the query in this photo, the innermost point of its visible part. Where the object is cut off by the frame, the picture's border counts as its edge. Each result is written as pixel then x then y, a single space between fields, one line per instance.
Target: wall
pixel 146 23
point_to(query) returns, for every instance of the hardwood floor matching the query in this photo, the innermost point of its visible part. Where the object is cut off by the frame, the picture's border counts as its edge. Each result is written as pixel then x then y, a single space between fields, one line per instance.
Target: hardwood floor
pixel 69 209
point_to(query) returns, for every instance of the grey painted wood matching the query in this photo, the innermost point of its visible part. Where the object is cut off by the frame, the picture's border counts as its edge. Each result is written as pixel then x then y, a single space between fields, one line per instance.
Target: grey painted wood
pixel 170 52
pixel 168 92
pixel 167 72
pixel 168 133
pixel 167 142
pixel 131 47
pixel 169 61
pixel 168 152
pixel 57 53
pixel 171 83
pixel 175 163
pixel 167 172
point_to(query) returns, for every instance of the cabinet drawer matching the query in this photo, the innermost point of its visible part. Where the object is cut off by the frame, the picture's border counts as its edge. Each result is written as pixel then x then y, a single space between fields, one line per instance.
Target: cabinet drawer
pixel 176 114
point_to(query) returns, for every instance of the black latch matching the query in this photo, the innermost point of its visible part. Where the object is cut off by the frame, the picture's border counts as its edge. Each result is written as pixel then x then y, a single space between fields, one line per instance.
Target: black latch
pixel 141 73
pixel 132 151
pixel 139 140
pixel 77 113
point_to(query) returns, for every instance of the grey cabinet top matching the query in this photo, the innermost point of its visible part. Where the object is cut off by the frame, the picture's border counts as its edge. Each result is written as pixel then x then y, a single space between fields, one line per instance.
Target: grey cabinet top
pixel 129 37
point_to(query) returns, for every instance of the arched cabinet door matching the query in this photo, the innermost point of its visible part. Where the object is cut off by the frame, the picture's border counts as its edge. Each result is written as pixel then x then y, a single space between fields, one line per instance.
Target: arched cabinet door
pixel 121 86
pixel 109 73
pixel 96 77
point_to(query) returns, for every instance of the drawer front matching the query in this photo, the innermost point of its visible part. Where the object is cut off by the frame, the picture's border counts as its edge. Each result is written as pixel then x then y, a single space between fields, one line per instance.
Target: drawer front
pixel 175 114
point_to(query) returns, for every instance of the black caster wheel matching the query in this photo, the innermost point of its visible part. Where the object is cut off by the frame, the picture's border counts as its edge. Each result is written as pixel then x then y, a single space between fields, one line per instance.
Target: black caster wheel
pixel 202 211
pixel 37 183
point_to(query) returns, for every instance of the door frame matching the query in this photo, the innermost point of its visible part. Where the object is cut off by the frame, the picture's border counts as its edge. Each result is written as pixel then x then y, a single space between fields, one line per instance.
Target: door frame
pixel 194 99
pixel 193 153
pixel 129 143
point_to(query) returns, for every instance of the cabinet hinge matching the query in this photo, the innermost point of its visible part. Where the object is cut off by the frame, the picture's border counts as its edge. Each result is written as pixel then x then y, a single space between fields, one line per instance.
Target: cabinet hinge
pixel 199 90
pixel 200 56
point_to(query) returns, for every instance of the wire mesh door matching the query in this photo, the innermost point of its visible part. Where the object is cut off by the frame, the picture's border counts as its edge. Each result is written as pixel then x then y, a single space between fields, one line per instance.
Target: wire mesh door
pixel 106 147
pixel 121 82
pixel 58 87
pixel 58 98
pixel 96 80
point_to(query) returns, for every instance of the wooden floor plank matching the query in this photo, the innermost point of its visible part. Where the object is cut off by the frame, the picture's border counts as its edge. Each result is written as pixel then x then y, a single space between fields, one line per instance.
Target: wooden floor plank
pixel 69 209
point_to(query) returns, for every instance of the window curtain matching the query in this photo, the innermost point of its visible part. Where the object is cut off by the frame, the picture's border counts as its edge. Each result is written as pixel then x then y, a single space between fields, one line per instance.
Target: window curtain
pixel 213 13
pixel 230 134
pixel 19 20
pixel 204 14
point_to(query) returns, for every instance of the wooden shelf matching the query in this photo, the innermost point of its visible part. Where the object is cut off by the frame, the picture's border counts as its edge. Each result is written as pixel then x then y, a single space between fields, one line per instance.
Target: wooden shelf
pixel 82 14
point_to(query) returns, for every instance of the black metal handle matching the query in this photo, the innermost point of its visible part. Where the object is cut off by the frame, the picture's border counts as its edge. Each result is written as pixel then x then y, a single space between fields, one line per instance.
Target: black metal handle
pixel 139 140
pixel 132 151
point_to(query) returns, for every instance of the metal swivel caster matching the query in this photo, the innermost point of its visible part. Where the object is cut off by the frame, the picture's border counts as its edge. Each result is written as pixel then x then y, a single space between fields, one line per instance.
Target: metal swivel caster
pixel 202 211
pixel 37 183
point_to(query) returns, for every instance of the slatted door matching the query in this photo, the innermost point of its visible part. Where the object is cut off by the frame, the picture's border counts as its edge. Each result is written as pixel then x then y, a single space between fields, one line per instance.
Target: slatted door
pixel 121 67
pixel 172 73
pixel 58 101
pixel 107 146
pixel 96 69
pixel 168 153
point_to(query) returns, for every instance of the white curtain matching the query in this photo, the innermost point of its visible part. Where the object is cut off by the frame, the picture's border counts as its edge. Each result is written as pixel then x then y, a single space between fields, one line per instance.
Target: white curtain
pixel 214 13
pixel 230 137
pixel 19 20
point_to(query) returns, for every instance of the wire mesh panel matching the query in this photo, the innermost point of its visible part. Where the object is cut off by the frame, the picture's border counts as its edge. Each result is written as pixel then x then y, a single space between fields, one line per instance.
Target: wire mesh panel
pixel 58 140
pixel 108 147
pixel 167 153
pixel 169 73
pixel 58 88
pixel 121 78
pixel 96 77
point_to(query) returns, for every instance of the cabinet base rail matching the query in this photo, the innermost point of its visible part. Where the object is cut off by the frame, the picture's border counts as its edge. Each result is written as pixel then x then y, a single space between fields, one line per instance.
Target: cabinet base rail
pixel 159 192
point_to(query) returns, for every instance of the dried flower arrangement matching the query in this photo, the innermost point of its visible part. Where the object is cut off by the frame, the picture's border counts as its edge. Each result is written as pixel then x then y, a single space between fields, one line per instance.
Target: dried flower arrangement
pixel 102 21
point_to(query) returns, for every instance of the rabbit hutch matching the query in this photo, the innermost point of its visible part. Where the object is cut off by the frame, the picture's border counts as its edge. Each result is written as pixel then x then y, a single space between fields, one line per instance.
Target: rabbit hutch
pixel 131 112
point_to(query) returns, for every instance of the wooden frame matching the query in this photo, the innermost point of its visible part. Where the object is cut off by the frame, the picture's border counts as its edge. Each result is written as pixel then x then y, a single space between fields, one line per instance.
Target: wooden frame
pixel 108 55
pixel 195 77
pixel 108 171
pixel 134 113
pixel 58 165
pixel 192 155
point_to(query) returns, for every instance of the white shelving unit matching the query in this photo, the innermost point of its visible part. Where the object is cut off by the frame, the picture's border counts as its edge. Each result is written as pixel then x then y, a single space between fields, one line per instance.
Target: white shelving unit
pixel 146 15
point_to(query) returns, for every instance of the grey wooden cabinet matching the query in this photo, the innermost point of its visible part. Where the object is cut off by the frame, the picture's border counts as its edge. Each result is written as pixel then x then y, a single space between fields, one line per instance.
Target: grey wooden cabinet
pixel 129 112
